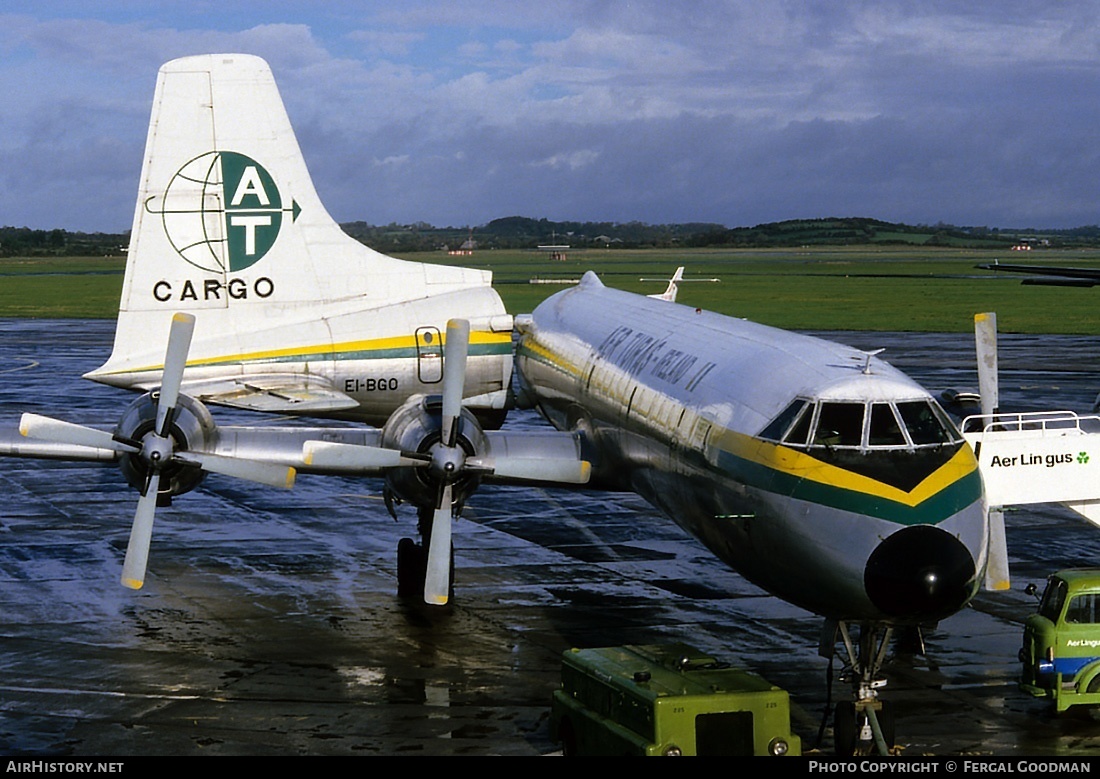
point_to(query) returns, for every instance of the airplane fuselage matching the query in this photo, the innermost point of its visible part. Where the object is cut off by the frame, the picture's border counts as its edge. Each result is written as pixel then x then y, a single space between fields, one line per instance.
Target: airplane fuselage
pixel 822 474
pixel 360 363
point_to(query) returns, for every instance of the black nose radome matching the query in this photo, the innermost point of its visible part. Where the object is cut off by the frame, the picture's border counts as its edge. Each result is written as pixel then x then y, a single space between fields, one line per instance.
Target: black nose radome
pixel 920 573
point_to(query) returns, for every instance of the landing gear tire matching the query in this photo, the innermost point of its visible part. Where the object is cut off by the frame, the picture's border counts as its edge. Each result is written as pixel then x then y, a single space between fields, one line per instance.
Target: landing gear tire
pixel 412 566
pixel 848 725
pixel 412 562
pixel 845 729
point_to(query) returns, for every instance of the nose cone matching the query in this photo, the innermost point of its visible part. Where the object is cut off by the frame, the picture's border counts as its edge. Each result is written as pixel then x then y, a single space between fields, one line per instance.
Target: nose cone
pixel 920 573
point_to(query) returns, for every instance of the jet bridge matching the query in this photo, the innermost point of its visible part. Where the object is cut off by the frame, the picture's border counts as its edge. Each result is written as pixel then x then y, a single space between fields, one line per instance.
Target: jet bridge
pixel 1039 457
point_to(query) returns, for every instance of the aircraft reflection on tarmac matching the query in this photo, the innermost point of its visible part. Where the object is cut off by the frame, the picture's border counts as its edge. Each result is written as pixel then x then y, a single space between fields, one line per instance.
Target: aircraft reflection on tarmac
pixel 270 626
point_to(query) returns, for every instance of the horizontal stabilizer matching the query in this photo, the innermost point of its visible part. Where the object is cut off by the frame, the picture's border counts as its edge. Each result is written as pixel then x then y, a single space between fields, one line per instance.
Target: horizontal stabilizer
pixel 276 394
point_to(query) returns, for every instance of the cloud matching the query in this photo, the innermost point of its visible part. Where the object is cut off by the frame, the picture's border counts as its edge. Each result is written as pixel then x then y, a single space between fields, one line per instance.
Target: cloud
pixel 734 112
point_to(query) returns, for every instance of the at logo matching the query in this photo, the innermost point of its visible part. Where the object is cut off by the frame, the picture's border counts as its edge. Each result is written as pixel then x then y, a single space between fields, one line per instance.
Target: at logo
pixel 222 211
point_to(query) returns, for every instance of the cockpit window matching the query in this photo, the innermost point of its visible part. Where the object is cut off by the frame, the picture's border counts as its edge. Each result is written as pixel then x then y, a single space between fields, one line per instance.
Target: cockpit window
pixel 800 432
pixel 885 430
pixel 778 426
pixel 851 424
pixel 922 422
pixel 839 424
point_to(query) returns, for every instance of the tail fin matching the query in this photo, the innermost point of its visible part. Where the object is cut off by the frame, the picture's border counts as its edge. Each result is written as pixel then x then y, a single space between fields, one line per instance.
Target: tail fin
pixel 673 286
pixel 229 226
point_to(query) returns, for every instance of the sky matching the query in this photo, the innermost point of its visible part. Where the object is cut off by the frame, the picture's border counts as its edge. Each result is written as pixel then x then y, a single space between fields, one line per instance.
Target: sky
pixel 661 111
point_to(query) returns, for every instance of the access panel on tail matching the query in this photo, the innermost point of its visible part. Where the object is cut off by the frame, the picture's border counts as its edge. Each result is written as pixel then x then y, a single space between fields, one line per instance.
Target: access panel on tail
pixel 228 227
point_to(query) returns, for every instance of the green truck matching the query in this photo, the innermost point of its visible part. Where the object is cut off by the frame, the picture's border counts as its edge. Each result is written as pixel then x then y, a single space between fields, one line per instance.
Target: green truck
pixel 1061 651
pixel 666 700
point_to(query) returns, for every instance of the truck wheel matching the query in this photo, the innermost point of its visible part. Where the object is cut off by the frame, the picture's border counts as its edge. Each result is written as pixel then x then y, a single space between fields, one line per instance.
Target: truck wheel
pixel 568 738
pixel 1085 712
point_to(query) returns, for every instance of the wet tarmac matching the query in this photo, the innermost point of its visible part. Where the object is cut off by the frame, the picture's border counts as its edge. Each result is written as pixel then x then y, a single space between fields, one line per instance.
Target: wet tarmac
pixel 269 623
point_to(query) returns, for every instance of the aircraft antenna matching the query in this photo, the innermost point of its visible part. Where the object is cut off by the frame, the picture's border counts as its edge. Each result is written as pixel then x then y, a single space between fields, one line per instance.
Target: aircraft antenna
pixel 867 359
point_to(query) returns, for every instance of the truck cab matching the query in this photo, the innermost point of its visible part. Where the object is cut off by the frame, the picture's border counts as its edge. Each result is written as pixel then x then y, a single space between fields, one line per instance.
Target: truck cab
pixel 1061 651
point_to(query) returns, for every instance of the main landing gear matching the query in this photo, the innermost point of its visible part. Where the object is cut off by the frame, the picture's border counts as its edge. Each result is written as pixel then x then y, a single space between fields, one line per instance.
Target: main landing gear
pixel 866 724
pixel 412 560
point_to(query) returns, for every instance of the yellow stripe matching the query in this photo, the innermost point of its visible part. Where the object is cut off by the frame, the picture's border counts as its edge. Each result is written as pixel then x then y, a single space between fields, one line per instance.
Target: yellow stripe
pixel 551 357
pixel 802 465
pixel 477 337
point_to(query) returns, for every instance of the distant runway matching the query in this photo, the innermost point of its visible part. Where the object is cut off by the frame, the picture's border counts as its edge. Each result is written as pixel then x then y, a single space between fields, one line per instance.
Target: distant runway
pixel 269 624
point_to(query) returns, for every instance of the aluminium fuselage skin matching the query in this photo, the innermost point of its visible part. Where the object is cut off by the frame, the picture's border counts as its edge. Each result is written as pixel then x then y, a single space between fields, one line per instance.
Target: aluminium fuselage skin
pixel 682 406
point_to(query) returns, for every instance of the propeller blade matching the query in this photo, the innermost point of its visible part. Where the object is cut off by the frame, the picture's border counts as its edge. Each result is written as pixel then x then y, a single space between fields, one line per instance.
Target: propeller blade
pixel 996 570
pixel 175 360
pixel 250 470
pixel 326 454
pixel 539 469
pixel 437 578
pixel 50 429
pixel 985 341
pixel 137 551
pixel 454 376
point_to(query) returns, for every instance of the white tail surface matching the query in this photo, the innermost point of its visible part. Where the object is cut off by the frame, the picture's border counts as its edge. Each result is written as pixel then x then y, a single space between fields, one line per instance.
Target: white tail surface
pixel 673 287
pixel 229 226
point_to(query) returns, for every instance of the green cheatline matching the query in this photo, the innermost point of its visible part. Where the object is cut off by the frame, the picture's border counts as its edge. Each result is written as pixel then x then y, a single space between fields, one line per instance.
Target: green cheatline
pixel 828 288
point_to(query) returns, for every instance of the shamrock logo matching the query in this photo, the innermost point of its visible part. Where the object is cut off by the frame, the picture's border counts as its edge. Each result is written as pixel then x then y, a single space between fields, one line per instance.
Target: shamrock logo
pixel 1083 457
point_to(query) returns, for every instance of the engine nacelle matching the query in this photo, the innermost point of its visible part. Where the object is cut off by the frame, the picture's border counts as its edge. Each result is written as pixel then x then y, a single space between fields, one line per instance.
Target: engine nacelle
pixel 192 429
pixel 417 427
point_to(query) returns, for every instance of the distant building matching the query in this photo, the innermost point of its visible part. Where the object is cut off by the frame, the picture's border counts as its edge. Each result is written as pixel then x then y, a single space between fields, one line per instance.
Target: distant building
pixel 465 250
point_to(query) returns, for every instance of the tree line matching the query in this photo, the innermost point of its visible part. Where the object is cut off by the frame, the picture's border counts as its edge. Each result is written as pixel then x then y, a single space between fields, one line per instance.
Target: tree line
pixel 25 242
pixel 518 232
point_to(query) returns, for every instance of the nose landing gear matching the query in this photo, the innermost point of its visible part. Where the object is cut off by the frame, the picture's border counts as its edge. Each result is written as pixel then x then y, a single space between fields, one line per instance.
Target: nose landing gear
pixel 865 725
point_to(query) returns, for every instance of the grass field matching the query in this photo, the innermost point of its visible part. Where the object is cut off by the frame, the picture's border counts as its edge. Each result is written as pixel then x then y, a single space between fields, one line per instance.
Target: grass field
pixel 913 289
pixel 70 288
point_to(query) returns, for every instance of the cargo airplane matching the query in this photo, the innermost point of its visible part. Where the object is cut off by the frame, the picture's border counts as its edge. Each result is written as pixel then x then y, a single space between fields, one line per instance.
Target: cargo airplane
pixel 267 305
pixel 818 471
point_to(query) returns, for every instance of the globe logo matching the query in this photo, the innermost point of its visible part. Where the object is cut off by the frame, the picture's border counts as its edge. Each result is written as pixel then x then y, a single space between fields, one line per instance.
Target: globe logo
pixel 222 211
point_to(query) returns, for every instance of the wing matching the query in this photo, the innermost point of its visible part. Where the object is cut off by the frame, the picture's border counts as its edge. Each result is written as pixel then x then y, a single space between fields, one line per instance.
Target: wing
pixel 283 445
pixel 524 457
pixel 503 457
pixel 1050 275
pixel 273 444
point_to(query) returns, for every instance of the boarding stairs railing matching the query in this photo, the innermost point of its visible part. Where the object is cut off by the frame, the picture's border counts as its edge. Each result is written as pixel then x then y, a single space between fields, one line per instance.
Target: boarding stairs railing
pixel 1038 457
